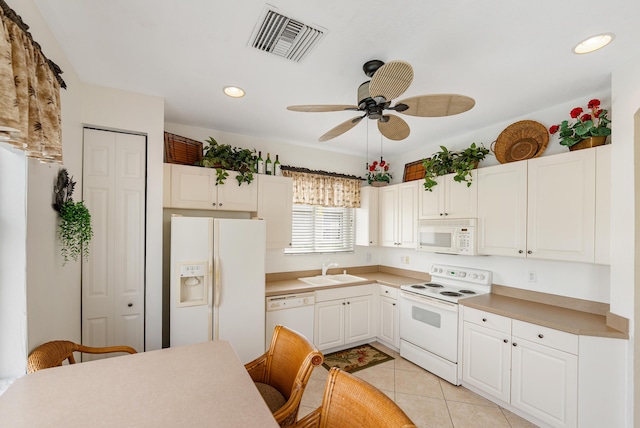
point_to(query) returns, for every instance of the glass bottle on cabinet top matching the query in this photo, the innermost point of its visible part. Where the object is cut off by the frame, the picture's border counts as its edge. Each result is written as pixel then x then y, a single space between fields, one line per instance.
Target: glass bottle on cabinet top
pixel 260 164
pixel 276 167
pixel 268 165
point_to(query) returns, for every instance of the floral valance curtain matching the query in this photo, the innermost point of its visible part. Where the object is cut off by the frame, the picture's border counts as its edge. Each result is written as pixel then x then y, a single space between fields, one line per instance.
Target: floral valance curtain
pixel 327 190
pixel 29 92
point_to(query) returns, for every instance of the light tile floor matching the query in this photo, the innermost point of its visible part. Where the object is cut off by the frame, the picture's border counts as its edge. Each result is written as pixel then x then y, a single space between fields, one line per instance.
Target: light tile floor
pixel 428 400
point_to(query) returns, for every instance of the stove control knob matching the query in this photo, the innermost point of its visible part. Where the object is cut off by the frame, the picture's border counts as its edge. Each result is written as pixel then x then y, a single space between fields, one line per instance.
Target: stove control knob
pixel 474 276
pixel 481 277
pixel 463 274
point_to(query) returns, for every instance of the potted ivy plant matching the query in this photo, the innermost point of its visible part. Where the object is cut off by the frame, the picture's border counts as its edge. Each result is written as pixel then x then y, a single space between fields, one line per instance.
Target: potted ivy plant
pixel 75 231
pixel 448 161
pixel 225 157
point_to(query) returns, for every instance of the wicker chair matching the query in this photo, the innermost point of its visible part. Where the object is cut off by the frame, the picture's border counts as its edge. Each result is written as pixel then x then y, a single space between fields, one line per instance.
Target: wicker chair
pixel 52 354
pixel 282 373
pixel 349 401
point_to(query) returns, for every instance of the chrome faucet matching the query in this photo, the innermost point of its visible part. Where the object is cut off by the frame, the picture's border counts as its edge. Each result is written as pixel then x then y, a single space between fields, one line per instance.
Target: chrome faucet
pixel 326 265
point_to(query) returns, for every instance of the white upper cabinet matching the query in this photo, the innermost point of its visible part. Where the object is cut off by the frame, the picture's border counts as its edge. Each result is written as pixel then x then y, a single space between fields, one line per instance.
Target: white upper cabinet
pixel 449 199
pixel 195 188
pixel 398 215
pixel 561 206
pixel 545 208
pixel 603 205
pixel 502 210
pixel 275 200
pixel 367 217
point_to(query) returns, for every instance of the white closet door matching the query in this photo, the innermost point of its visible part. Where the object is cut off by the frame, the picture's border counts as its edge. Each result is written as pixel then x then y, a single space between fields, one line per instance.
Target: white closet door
pixel 113 285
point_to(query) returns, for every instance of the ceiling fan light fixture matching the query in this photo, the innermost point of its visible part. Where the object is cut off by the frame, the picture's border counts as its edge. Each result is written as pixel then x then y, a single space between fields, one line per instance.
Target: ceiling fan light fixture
pixel 593 43
pixel 233 91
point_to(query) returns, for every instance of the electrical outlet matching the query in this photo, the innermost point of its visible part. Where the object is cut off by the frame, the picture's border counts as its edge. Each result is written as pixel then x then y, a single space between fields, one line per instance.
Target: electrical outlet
pixel 368 257
pixel 531 275
pixel 406 260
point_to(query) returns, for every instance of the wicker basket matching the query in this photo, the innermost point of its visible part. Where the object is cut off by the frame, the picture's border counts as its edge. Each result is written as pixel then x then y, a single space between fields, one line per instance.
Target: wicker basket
pixel 181 150
pixel 521 140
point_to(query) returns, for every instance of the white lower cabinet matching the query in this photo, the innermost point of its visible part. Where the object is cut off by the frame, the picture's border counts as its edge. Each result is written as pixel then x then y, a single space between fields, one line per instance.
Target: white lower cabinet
pixel 343 316
pixel 542 372
pixel 388 316
pixel 533 368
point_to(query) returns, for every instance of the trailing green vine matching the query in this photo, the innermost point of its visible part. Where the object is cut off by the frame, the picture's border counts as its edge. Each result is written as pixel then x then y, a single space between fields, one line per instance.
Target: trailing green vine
pixel 75 231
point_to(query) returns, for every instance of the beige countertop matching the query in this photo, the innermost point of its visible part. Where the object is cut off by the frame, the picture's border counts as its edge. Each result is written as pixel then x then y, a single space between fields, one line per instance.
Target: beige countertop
pixel 561 313
pixel 187 386
pixel 559 318
pixel 290 286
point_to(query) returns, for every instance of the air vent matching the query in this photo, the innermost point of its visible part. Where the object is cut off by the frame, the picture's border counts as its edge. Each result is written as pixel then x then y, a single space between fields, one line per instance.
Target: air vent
pixel 285 37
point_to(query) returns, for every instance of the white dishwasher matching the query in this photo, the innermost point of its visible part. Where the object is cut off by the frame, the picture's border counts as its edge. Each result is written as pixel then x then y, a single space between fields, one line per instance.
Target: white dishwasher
pixel 294 311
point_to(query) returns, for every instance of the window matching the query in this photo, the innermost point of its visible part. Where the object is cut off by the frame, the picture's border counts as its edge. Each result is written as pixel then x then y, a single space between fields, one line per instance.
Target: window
pixel 319 229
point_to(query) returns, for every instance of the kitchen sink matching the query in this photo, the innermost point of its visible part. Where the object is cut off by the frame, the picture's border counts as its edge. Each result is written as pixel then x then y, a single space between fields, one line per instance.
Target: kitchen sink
pixel 342 278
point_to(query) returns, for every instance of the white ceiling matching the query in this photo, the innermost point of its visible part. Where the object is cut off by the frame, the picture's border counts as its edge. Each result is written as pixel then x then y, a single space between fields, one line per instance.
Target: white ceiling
pixel 512 57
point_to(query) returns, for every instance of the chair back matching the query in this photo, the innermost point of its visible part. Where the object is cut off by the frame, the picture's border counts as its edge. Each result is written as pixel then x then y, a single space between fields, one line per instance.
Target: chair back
pixel 349 401
pixel 52 354
pixel 291 360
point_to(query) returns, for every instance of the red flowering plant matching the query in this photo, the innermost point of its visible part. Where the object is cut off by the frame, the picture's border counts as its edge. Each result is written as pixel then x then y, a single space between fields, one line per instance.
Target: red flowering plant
pixel 379 171
pixel 593 123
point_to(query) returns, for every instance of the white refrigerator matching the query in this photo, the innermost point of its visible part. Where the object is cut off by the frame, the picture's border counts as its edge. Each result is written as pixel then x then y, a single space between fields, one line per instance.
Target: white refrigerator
pixel 218 283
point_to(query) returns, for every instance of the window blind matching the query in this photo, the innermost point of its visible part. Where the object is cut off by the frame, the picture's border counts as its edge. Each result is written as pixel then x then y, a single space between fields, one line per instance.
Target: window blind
pixel 318 229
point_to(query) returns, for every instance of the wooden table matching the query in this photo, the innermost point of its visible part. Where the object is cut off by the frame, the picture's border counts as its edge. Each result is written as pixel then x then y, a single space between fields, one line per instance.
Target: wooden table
pixel 202 385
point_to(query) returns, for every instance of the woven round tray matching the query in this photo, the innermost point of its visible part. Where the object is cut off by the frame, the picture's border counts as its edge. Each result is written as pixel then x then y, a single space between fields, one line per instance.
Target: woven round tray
pixel 521 140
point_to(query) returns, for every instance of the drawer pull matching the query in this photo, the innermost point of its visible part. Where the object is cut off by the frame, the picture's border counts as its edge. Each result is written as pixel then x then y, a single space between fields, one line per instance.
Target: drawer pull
pixel 541 335
pixel 505 341
pixel 484 320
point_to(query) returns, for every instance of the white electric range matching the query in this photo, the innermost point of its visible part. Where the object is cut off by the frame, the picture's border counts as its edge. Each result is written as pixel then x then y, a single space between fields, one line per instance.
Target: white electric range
pixel 429 332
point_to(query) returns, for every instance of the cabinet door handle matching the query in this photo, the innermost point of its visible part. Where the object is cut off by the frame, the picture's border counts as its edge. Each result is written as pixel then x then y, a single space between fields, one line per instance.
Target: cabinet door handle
pixel 129 304
pixel 529 252
pixel 520 252
pixel 394 304
pixel 446 213
pixel 505 340
pixel 220 204
pixel 484 320
pixel 343 303
pixel 441 214
pixel 541 335
pixel 515 344
pixel 348 303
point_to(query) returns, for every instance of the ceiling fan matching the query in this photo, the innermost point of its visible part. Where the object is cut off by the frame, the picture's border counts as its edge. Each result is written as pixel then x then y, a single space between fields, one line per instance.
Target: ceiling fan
pixel 389 81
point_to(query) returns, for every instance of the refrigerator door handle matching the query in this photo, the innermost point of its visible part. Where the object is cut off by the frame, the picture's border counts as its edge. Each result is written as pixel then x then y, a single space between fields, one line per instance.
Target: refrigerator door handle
pixel 217 286
pixel 216 298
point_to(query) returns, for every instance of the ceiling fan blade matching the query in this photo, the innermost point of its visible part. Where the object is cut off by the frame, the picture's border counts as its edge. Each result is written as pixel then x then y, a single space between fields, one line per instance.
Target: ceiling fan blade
pixel 322 108
pixel 395 128
pixel 341 129
pixel 391 80
pixel 437 105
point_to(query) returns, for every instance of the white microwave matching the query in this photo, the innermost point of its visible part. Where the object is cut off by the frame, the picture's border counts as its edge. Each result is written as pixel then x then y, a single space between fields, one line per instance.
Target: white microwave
pixel 452 236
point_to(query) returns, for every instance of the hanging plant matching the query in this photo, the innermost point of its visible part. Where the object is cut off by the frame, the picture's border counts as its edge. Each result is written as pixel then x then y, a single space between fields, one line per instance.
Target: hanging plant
pixel 75 230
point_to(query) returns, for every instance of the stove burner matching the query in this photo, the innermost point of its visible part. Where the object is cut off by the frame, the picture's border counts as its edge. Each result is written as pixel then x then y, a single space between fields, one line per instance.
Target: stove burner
pixel 450 293
pixel 418 286
pixel 467 292
pixel 433 285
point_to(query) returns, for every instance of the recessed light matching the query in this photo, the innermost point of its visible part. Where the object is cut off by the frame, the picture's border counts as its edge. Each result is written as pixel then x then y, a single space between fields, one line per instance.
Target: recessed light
pixel 233 91
pixel 593 43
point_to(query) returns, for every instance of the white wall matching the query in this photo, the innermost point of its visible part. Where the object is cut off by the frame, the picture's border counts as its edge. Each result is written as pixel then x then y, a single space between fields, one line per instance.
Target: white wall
pixel 625 254
pixel 53 292
pixel 126 111
pixel 13 298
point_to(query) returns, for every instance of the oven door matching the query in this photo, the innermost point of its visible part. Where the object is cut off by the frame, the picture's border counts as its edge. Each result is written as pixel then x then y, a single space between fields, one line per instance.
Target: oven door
pixel 430 324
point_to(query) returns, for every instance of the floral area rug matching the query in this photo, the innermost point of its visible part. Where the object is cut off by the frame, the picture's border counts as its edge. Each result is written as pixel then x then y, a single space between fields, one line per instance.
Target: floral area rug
pixel 354 359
